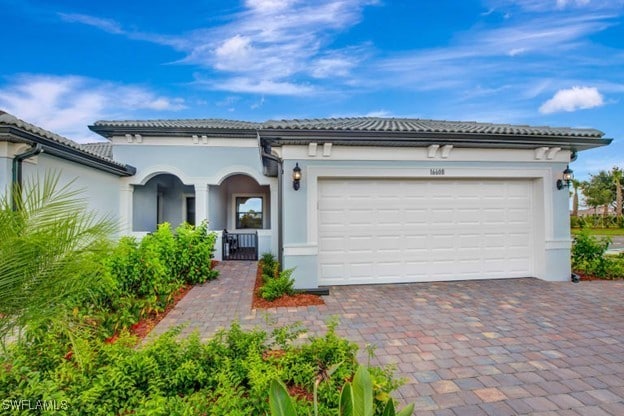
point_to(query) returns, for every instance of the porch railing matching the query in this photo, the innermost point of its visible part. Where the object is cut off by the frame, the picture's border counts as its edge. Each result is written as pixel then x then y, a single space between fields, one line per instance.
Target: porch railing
pixel 240 246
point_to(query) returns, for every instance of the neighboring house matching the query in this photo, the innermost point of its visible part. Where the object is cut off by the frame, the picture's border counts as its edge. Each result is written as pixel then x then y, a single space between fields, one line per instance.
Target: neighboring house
pixel 595 211
pixel 29 151
pixel 379 200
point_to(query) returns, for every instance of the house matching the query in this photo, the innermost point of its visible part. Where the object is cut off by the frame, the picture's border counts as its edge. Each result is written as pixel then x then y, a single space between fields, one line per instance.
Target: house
pixel 347 200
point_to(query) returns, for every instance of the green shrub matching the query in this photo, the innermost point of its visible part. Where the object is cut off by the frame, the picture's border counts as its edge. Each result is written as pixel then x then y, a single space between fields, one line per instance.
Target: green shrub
pixel 194 253
pixel 588 257
pixel 270 266
pixel 142 278
pixel 228 374
pixel 276 287
pixel 356 398
pixel 587 249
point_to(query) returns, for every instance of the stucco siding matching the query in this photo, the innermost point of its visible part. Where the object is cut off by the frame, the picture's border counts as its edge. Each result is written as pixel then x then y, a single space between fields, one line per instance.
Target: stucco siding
pixel 552 244
pixel 191 162
pixel 5 174
pixel 101 189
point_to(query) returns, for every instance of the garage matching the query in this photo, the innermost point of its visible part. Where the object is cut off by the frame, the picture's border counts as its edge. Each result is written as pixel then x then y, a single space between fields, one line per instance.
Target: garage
pixel 380 230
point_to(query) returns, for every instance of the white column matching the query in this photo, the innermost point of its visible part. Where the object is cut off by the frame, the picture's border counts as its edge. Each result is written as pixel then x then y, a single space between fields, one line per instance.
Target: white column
pixel 201 202
pixel 274 214
pixel 125 208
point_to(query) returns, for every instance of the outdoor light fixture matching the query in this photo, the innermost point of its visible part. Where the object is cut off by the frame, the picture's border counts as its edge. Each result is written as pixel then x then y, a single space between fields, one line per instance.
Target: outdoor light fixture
pixel 567 179
pixel 296 177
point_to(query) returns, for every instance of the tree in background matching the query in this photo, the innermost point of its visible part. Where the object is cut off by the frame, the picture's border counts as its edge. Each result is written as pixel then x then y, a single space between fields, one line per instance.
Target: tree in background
pixel 617 174
pixel 599 191
pixel 47 247
pixel 575 197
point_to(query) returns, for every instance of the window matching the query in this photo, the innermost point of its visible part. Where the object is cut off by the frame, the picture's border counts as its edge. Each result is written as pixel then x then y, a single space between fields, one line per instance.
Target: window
pixel 190 210
pixel 249 212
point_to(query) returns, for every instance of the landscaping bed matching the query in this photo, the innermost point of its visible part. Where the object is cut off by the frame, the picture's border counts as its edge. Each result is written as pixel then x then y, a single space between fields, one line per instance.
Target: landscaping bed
pixel 274 287
pixel 590 261
pixel 298 299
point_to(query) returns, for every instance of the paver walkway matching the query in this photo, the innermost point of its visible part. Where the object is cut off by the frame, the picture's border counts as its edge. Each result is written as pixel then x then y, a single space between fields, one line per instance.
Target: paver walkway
pixel 496 347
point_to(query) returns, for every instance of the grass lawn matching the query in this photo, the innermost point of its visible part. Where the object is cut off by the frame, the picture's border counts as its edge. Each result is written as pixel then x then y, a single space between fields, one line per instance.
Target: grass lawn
pixel 611 232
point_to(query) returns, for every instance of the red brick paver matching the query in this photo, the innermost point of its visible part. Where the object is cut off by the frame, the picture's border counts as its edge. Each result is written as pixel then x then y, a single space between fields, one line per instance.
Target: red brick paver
pixel 509 346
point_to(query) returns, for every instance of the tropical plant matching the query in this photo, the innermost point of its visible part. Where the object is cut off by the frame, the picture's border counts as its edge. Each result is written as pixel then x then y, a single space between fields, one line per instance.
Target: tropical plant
pixel 356 399
pixel 47 250
pixel 575 197
pixel 275 287
pixel 617 182
pixel 598 191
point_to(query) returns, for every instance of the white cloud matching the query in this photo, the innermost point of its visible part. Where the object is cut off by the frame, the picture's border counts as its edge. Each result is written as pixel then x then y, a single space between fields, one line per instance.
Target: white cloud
pixel 484 57
pixel 67 104
pixel 564 3
pixel 250 85
pixel 271 41
pixel 234 53
pixel 547 5
pixel 268 5
pixel 106 25
pixel 573 99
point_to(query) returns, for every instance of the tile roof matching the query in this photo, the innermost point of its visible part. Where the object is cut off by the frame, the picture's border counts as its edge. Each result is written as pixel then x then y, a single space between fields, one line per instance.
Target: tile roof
pixel 104 149
pixel 350 124
pixel 377 124
pixel 7 119
pixel 208 123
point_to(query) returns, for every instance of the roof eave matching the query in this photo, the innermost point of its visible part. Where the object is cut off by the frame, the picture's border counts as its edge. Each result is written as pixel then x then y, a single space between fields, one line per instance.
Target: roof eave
pixel 51 147
pixel 109 132
pixel 407 139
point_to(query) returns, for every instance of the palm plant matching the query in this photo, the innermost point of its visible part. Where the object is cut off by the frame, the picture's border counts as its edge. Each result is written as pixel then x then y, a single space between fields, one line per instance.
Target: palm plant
pixel 47 246
pixel 575 197
pixel 617 180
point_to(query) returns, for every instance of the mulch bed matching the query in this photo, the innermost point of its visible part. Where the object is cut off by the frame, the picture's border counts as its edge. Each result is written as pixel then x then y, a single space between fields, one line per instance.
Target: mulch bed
pixel 587 278
pixel 300 299
pixel 142 328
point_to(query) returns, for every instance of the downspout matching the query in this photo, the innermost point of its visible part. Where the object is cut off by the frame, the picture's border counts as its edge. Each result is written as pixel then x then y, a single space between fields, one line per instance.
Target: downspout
pixel 280 193
pixel 17 172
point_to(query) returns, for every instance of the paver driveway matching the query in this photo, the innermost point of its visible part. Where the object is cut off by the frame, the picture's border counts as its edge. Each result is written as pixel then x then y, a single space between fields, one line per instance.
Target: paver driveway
pixel 497 347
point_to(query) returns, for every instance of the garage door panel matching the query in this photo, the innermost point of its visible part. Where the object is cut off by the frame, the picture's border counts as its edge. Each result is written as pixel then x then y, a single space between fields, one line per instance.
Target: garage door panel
pixel 393 230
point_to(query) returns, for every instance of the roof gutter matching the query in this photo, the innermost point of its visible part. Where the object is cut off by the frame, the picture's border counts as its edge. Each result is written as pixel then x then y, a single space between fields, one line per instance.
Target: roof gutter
pixel 57 149
pixel 360 138
pixel 17 173
pixel 280 197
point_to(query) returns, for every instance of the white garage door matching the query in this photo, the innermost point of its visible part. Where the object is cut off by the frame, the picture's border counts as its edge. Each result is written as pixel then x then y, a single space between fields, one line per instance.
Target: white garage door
pixel 391 230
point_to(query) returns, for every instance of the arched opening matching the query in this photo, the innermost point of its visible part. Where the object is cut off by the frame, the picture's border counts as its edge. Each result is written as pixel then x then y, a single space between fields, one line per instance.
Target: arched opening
pixel 240 204
pixel 241 208
pixel 163 198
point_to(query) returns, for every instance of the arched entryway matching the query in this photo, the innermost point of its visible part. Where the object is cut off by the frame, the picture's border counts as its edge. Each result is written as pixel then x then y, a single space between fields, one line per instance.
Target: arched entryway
pixel 241 207
pixel 163 198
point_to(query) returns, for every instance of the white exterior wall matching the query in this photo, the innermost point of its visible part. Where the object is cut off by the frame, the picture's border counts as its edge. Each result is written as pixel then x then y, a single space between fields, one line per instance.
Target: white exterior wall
pixel 206 166
pixel 101 189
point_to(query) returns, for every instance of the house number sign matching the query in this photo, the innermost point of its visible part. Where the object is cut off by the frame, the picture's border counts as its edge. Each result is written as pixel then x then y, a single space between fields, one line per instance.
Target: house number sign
pixel 436 172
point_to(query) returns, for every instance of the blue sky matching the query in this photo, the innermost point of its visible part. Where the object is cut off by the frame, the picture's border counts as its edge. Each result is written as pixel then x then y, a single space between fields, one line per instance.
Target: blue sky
pixel 68 63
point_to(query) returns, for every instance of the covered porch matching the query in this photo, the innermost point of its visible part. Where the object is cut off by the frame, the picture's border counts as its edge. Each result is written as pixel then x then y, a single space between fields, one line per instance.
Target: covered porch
pixel 237 207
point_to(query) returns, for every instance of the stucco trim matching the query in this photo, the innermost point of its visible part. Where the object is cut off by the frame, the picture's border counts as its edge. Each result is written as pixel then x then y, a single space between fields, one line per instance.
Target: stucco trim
pixel 301 250
pixel 542 205
pixel 433 152
pixel 559 244
pixel 225 173
pixel 142 177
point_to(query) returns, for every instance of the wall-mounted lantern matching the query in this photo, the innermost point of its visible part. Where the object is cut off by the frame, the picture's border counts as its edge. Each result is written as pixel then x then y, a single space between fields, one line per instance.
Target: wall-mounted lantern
pixel 296 177
pixel 566 181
